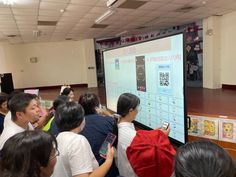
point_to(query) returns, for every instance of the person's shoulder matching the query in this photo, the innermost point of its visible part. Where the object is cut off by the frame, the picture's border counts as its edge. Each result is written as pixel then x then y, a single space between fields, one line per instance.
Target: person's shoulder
pixel 2 116
pixel 98 117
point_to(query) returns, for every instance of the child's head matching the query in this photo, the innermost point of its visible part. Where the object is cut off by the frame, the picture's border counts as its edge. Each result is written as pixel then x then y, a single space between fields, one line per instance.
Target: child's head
pixel 127 103
pixel 203 159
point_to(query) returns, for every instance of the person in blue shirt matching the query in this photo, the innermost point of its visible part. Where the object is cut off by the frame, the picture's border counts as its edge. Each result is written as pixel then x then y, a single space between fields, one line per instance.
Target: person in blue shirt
pixel 97 127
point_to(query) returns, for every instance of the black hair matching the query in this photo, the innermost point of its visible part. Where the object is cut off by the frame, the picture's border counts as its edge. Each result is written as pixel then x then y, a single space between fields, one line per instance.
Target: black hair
pixel 89 101
pixel 60 100
pixel 126 101
pixel 69 116
pixel 24 153
pixel 3 98
pixel 11 95
pixel 67 91
pixel 19 102
pixel 203 159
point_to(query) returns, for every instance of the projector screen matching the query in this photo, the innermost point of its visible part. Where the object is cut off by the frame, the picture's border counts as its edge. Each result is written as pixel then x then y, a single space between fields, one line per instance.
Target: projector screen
pixel 154 71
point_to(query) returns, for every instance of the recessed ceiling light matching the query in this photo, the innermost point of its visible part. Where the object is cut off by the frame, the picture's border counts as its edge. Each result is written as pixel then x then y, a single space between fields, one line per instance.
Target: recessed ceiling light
pixel 203 2
pixel 62 10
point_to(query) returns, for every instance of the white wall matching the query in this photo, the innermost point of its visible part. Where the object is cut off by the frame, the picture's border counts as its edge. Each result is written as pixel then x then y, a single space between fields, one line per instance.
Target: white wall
pixel 228 48
pixel 212 53
pixel 58 63
pixel 219 51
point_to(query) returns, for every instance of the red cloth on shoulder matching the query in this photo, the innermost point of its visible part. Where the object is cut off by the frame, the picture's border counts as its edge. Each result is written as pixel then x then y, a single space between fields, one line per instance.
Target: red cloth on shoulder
pixel 151 154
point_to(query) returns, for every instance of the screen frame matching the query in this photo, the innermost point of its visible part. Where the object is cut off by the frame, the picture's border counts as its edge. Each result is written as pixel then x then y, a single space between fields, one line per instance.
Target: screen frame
pixel 138 124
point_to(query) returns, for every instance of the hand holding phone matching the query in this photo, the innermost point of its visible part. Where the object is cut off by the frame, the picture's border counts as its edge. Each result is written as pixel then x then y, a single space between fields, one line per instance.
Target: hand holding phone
pixel 110 139
pixel 165 125
pixel 166 128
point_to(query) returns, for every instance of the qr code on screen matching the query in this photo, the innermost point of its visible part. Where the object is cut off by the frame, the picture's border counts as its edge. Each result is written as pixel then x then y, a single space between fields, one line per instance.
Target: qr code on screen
pixel 164 79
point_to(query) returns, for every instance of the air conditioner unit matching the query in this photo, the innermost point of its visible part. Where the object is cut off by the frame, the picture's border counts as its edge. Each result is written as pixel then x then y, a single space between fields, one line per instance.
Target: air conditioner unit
pixel 111 2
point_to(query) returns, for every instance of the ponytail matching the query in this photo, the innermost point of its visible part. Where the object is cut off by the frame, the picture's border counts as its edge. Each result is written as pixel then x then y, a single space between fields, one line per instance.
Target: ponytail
pixel 115 128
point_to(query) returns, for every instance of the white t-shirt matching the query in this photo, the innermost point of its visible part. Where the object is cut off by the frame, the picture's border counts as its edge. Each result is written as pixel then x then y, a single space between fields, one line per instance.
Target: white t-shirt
pixel 76 156
pixel 126 134
pixel 10 129
pixel 7 121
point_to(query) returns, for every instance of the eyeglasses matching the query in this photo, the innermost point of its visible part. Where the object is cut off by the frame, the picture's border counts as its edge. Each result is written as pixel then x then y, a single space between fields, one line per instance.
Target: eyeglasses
pixel 56 153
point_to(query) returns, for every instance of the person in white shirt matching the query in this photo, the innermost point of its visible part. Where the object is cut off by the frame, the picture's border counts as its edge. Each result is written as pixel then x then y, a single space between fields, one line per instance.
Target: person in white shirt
pixel 29 153
pixel 24 109
pixel 127 109
pixel 76 158
pixel 8 120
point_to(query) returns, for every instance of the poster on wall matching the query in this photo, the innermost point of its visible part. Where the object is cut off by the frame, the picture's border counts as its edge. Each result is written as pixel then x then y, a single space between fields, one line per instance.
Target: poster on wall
pixel 227 130
pixel 195 128
pixel 210 128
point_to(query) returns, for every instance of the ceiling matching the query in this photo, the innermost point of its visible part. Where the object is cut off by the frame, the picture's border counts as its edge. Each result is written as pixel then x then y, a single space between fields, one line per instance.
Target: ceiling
pixel 17 22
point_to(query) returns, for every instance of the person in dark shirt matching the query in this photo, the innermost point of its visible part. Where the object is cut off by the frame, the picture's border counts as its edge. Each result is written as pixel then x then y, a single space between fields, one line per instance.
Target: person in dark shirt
pixel 61 99
pixel 3 109
pixel 97 127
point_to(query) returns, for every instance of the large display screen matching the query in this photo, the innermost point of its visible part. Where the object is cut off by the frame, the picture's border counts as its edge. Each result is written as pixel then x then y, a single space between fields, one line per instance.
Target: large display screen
pixel 154 71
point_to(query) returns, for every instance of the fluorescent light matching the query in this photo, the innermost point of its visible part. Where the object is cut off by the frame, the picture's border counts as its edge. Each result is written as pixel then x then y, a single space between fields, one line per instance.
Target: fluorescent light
pixel 8 2
pixel 121 33
pixel 104 16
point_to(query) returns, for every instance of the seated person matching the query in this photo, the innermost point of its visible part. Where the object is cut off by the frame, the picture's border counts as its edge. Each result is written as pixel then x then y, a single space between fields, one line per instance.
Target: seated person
pixel 3 109
pixel 128 108
pixel 29 154
pixel 68 92
pixel 76 157
pixel 98 125
pixel 203 159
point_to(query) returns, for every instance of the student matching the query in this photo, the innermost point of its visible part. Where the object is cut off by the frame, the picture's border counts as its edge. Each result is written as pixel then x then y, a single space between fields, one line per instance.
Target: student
pixel 51 125
pixel 3 109
pixel 68 92
pixel 96 124
pixel 44 115
pixel 128 108
pixel 29 154
pixel 203 159
pixel 76 157
pixel 24 109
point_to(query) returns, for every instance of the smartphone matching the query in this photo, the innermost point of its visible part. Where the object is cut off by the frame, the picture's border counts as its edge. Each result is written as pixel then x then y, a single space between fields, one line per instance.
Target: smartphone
pixel 165 125
pixel 110 139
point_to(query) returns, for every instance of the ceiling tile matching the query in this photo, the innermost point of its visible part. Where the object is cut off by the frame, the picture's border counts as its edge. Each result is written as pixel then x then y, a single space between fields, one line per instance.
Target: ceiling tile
pixel 84 2
pixel 53 6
